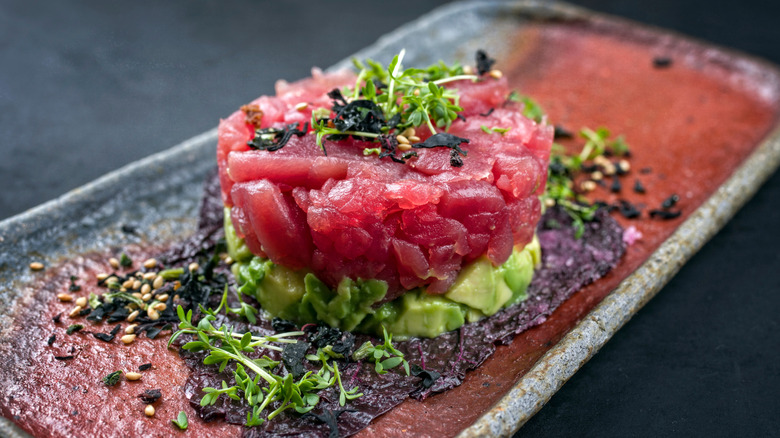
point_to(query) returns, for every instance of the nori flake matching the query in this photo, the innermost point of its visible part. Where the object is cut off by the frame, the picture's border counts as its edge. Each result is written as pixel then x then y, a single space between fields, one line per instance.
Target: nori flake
pixel 293 355
pixel 484 62
pixel 150 396
pixel 145 366
pixel 51 340
pixel 428 376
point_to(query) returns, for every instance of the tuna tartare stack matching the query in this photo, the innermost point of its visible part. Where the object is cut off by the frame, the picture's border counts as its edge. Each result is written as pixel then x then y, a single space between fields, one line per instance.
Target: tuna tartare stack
pixel 399 198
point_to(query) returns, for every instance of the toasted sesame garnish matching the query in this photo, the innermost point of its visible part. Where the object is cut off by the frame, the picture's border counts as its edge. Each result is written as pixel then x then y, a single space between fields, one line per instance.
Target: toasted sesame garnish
pixel 596 176
pixel 36 266
pixel 128 284
pixel 624 165
pixel 588 186
pixel 128 339
pixel 228 260
pixel 82 301
pixel 160 307
pixel 301 106
pixel 150 276
pixel 414 139
pixel 158 282
pixel 408 132
pixel 145 289
pixel 549 202
pixel 402 139
pixel 102 276
pixel 132 316
pixel 149 411
pixel 404 147
pixel 193 267
pixel 130 329
pixel 75 311
pixel 152 314
pixel 146 297
pixel 176 285
pixel 136 285
pixel 150 263
pixel 132 376
pixel 113 262
pixel 163 297
pixel 496 74
pixel 468 70
pixel 65 297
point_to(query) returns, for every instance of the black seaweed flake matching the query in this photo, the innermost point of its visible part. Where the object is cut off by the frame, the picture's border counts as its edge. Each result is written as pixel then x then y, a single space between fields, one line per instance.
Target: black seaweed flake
pixel 145 366
pixel 628 210
pixel 638 187
pixel 330 417
pixel 360 115
pixel 662 62
pixel 150 396
pixel 57 318
pixel 665 214
pixel 69 357
pixel 428 376
pixel 389 146
pixel 73 286
pixel 616 187
pixel 646 170
pixel 484 62
pixel 670 202
pixel 51 340
pixel 489 112
pixel 446 140
pixel 108 337
pixel 561 132
pixel 273 139
pixel 129 229
pixel 283 325
pixel 292 356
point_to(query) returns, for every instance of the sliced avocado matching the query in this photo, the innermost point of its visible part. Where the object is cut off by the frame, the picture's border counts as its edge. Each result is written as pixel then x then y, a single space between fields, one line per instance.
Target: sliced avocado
pixel 236 247
pixel 280 288
pixel 417 314
pixel 476 287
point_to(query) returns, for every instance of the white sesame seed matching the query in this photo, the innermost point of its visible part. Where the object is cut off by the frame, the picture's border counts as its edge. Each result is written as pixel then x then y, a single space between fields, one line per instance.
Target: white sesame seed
pixel 150 276
pixel 136 285
pixel 625 166
pixel 130 329
pixel 496 74
pixel 132 316
pixel 401 139
pixel 102 276
pixel 65 297
pixel 193 267
pixel 152 314
pixel 408 132
pixel 596 176
pixel 36 266
pixel 404 146
pixel 113 262
pixel 150 263
pixel 128 284
pixel 158 282
pixel 132 376
pixel 228 260
pixel 549 202
pixel 145 289
pixel 149 411
pixel 468 70
pixel 414 139
pixel 588 186
pixel 146 297
pixel 82 301
pixel 301 106
pixel 128 339
pixel 160 307
pixel 163 297
pixel 75 312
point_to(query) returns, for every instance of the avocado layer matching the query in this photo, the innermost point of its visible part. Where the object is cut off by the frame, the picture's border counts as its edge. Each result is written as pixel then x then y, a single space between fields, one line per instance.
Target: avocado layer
pixel 480 290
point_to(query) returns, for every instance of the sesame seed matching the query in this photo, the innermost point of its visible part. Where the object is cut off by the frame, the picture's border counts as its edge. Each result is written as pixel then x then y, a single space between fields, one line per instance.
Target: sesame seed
pixel 160 307
pixel 596 176
pixel 75 312
pixel 402 139
pixel 193 267
pixel 414 139
pixel 150 263
pixel 301 106
pixel 158 282
pixel 136 285
pixel 228 260
pixel 111 279
pixel 132 316
pixel 496 74
pixel 176 285
pixel 65 297
pixel 128 284
pixel 132 376
pixel 149 411
pixel 147 297
pixel 588 186
pixel 404 147
pixel 549 202
pixel 163 297
pixel 145 289
pixel 82 301
pixel 624 165
pixel 102 276
pixel 130 329
pixel 36 266
pixel 149 276
pixel 128 339
pixel 113 262
pixel 468 70
pixel 152 314
pixel 408 132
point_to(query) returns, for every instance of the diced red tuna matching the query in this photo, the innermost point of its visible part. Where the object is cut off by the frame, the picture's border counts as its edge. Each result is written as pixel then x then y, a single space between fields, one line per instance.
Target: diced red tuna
pixel 413 224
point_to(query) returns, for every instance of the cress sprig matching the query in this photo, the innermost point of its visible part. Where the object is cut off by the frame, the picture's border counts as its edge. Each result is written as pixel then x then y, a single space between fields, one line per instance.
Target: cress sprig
pixel 406 98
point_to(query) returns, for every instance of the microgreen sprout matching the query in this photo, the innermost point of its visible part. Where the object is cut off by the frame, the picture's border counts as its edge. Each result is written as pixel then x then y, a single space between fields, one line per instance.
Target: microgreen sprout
pixel 384 355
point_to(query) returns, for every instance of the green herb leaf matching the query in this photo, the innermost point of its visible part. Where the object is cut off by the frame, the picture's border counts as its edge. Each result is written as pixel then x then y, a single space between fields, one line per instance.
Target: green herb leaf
pixel 113 378
pixel 181 421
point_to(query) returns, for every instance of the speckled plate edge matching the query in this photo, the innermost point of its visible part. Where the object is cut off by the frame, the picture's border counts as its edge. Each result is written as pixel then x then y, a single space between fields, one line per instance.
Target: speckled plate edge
pixel 537 386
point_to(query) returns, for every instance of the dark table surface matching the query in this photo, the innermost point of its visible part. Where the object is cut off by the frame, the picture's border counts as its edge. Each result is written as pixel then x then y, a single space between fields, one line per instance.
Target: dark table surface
pixel 88 86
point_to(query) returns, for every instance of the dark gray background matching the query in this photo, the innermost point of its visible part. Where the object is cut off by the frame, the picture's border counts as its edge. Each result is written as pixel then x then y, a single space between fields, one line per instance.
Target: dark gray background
pixel 88 86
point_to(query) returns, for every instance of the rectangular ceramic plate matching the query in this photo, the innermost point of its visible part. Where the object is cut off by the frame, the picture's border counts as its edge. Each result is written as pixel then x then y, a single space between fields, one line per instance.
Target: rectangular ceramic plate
pixel 585 70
